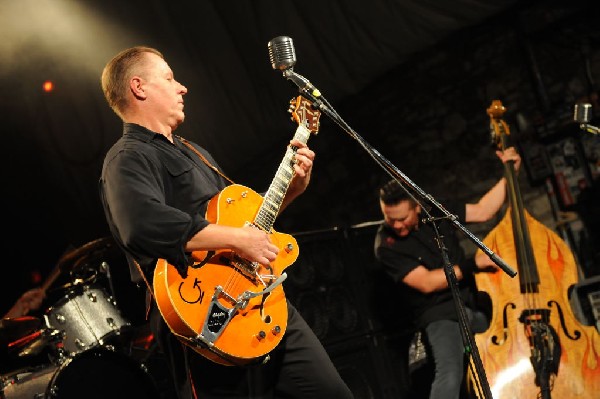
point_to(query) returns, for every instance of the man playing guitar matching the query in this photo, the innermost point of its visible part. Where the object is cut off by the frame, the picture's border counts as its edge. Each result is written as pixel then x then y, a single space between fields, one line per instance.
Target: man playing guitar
pixel 156 189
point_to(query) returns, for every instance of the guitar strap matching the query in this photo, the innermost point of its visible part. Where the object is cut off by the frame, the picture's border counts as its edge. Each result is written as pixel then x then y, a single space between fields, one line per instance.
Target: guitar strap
pixel 185 348
pixel 203 158
pixel 150 290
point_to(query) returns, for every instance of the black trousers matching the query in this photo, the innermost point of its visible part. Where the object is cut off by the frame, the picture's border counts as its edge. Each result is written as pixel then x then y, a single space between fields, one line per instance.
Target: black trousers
pixel 299 367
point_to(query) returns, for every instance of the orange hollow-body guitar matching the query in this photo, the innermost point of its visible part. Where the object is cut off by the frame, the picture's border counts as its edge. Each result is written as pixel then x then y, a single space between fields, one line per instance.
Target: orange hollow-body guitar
pixel 228 309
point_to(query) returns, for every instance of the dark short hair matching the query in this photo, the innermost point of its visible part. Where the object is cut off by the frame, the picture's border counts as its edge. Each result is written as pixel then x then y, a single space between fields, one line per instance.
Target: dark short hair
pixel 392 193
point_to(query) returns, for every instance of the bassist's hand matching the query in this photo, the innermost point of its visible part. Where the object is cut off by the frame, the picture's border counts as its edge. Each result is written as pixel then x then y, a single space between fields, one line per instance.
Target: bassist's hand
pixel 510 154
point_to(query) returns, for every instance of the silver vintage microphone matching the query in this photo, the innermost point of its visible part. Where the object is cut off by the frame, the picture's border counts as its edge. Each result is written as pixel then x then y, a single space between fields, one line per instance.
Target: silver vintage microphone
pixel 283 57
pixel 282 53
pixel 583 114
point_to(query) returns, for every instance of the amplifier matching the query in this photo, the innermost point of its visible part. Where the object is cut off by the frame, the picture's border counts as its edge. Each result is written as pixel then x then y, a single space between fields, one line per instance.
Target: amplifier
pixel 585 301
pixel 594 299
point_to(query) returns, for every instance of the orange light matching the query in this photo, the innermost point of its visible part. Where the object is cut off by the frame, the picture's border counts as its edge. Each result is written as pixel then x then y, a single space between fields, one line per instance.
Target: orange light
pixel 48 86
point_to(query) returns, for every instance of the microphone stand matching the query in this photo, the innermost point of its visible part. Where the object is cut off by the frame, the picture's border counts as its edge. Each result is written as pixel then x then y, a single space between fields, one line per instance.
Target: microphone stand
pixel 469 344
pixel 313 94
pixel 589 128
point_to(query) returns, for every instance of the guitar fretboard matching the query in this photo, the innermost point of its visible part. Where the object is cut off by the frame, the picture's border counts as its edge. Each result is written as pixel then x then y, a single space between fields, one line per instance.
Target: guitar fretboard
pixel 273 199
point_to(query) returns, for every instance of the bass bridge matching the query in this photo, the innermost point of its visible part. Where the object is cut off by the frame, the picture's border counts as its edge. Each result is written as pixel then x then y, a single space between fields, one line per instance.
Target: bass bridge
pixel 544 343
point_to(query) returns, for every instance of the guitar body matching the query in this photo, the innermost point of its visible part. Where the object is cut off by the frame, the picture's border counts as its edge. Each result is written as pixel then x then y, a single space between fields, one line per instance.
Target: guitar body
pixel 205 311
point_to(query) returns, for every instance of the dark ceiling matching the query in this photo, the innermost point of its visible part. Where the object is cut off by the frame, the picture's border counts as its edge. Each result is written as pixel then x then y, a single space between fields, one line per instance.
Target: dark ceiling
pixel 236 105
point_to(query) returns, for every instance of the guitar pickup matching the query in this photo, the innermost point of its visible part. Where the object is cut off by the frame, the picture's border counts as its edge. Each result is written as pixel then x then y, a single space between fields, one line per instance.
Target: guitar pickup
pixel 245 267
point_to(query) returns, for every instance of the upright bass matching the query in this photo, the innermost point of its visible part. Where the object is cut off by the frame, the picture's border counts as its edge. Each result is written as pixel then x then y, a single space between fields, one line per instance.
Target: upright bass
pixel 534 346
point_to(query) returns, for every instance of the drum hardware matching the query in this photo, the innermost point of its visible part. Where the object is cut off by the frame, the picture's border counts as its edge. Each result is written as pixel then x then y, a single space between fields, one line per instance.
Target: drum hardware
pixel 74 284
pixel 78 264
pixel 84 254
pixel 105 268
pixel 34 343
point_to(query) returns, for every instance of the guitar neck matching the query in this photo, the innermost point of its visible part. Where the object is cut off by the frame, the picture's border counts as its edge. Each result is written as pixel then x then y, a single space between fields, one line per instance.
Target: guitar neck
pixel 273 198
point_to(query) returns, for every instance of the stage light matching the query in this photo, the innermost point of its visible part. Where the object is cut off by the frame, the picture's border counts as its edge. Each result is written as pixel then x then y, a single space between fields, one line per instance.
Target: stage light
pixel 48 86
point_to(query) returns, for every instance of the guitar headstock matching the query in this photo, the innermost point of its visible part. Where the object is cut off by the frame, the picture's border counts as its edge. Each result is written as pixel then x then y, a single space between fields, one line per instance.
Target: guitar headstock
pixel 304 114
pixel 498 127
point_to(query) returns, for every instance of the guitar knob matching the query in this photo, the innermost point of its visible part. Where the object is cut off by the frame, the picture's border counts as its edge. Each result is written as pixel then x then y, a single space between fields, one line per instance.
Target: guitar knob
pixel 289 247
pixel 276 330
pixel 261 335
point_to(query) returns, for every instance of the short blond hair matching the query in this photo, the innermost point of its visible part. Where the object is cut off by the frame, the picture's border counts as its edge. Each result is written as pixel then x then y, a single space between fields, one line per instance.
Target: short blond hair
pixel 118 71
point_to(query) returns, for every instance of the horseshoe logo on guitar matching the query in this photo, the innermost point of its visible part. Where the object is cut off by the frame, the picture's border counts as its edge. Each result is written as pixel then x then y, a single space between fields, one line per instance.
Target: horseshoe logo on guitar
pixel 200 292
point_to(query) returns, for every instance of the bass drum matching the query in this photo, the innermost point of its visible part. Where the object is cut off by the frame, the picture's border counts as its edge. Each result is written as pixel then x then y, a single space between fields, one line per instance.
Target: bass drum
pixel 95 374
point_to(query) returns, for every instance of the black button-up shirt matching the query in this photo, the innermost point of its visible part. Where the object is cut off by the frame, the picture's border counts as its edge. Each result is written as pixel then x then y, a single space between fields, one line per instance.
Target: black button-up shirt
pixel 400 255
pixel 154 195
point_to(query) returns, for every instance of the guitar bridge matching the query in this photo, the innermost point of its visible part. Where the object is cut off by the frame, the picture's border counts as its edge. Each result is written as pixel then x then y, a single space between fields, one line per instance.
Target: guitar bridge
pixel 247 268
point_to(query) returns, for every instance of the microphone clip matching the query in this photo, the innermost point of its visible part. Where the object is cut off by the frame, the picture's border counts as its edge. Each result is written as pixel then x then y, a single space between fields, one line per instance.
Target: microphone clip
pixel 436 218
pixel 303 84
pixel 306 88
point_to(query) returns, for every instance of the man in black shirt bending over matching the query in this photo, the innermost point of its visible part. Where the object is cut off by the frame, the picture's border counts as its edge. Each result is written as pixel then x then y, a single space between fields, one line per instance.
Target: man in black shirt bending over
pixel 408 250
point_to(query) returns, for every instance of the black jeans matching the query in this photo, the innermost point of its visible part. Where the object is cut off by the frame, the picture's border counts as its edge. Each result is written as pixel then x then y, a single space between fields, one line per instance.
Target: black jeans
pixel 448 352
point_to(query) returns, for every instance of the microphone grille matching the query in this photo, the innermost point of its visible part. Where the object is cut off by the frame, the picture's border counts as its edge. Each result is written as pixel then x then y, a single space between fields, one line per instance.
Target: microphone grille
pixel 582 113
pixel 281 53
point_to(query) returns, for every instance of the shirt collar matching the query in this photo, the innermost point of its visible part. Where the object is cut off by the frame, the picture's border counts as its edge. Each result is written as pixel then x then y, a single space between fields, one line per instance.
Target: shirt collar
pixel 141 133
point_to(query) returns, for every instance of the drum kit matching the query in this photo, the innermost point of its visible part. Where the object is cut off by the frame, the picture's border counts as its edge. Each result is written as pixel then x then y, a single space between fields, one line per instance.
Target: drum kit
pixel 76 348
